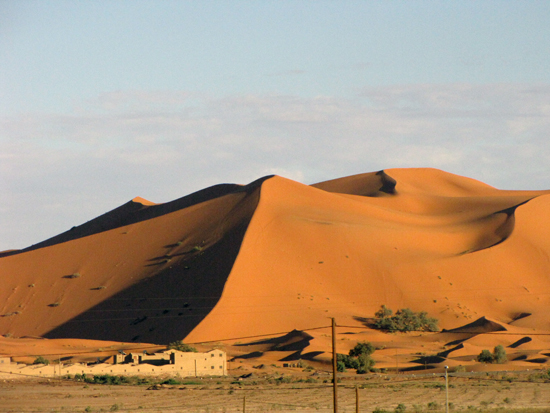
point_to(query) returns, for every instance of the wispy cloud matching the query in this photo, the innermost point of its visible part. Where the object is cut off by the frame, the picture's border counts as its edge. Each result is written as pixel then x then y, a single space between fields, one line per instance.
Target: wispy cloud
pixel 59 170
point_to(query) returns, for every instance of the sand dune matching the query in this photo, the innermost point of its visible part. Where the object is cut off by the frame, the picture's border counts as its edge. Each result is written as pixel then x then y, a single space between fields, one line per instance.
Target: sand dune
pixel 276 256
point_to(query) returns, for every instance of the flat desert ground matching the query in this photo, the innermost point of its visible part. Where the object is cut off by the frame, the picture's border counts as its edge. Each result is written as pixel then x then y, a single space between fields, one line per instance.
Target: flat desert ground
pixel 304 393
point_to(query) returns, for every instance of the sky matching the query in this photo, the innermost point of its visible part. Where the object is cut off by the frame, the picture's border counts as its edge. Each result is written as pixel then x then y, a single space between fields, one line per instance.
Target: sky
pixel 102 101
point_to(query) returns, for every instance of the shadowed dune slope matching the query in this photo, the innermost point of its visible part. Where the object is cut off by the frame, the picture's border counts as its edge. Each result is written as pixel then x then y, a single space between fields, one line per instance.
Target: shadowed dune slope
pixel 150 281
pixel 276 256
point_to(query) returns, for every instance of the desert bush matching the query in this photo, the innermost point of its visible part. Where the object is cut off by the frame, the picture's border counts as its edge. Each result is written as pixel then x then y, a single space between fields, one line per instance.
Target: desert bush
pixel 404 320
pixel 41 360
pixel 485 357
pixel 498 356
pixel 340 366
pixel 171 381
pixel 359 358
pixel 400 408
pixel 361 348
pixel 366 364
pixel 433 405
pixel 181 346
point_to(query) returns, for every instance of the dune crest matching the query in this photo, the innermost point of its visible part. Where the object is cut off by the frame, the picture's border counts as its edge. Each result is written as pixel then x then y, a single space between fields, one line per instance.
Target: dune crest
pixel 142 201
pixel 480 326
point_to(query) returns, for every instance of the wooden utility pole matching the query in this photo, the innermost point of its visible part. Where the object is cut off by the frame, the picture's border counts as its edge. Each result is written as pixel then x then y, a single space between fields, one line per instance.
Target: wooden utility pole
pixel 356 399
pixel 334 368
pixel 446 389
pixel 244 404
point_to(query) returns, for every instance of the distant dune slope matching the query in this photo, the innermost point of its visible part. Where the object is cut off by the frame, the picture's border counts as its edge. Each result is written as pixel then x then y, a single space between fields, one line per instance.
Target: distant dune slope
pixel 137 210
pixel 277 255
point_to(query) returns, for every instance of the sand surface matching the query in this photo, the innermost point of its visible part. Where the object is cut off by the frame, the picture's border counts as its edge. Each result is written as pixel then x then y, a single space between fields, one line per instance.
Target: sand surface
pixel 233 262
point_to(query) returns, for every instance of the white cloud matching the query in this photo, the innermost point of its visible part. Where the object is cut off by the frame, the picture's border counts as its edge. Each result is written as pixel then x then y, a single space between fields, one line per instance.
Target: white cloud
pixel 163 145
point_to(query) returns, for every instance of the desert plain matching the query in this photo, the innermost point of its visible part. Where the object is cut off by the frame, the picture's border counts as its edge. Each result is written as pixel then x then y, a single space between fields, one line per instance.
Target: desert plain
pixel 260 270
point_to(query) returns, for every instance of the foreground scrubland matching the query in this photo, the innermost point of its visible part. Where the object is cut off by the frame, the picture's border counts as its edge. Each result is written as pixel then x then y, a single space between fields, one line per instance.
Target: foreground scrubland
pixel 524 392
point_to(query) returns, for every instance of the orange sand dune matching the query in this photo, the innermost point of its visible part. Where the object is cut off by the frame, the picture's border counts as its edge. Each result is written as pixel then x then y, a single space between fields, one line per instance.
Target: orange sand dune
pixel 436 242
pixel 276 255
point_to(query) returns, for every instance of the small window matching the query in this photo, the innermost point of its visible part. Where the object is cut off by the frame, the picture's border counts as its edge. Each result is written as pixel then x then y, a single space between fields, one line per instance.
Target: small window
pixel 212 367
pixel 220 354
pixel 221 367
pixel 211 355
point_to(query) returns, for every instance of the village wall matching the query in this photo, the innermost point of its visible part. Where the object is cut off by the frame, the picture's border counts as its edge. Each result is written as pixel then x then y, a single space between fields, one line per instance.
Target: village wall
pixel 213 363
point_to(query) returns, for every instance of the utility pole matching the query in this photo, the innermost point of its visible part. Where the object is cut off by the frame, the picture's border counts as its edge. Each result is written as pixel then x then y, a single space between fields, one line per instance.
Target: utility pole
pixel 356 399
pixel 446 389
pixel 334 368
pixel 396 362
pixel 244 404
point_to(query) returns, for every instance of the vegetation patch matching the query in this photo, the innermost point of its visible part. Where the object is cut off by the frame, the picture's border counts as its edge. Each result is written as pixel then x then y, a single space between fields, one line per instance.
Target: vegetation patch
pixel 41 360
pixel 359 358
pixel 404 320
pixel 181 346
pixel 497 357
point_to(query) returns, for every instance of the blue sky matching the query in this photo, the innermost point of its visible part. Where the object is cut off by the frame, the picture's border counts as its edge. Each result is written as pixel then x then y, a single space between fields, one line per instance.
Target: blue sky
pixel 101 101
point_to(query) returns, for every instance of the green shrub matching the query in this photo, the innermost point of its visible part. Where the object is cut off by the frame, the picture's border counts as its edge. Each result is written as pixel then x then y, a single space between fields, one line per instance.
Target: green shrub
pixel 181 346
pixel 404 320
pixel 499 354
pixel 41 360
pixel 400 408
pixel 433 405
pixel 171 381
pixel 362 348
pixel 358 358
pixel 340 366
pixel 366 364
pixel 485 357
